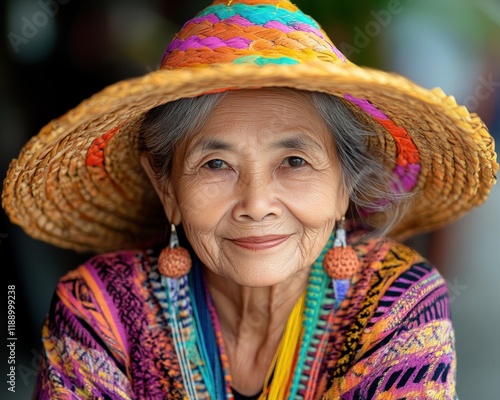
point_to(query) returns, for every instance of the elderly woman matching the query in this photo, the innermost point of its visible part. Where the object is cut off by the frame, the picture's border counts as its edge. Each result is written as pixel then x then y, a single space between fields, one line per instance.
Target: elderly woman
pixel 282 170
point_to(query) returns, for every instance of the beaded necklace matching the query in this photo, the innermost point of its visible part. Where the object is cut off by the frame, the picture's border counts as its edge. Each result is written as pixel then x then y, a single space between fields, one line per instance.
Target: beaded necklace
pixel 198 341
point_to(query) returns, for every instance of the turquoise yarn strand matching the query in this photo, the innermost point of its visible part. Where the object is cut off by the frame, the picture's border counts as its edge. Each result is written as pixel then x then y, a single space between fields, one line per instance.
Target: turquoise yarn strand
pixel 212 378
pixel 173 287
pixel 318 283
pixel 259 14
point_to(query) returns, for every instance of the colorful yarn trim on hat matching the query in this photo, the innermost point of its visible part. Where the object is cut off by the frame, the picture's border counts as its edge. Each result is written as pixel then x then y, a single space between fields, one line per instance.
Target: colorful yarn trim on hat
pixel 271 32
pixel 407 166
pixel 95 153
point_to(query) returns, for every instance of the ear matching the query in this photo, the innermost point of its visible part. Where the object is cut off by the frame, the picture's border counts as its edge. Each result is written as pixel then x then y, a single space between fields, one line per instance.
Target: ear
pixel 164 188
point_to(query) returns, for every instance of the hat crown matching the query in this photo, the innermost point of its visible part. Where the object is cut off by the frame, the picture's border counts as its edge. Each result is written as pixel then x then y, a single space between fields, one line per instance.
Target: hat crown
pixel 250 31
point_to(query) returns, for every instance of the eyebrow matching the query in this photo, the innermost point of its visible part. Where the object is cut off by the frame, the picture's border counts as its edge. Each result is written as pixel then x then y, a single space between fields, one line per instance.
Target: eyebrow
pixel 299 142
pixel 209 144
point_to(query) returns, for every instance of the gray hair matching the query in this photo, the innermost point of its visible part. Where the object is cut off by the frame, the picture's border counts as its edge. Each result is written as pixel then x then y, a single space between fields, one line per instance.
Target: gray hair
pixel 371 187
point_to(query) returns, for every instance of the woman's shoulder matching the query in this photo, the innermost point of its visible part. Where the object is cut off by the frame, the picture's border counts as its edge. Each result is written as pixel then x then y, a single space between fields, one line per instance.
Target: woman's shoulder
pixel 107 284
pixel 395 333
pixel 394 273
pixel 115 267
pixel 393 279
pixel 389 266
pixel 110 292
pixel 382 253
pixel 384 259
pixel 396 314
pixel 106 310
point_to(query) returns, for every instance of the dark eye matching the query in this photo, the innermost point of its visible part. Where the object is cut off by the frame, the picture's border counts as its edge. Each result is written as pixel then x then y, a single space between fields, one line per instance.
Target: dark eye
pixel 294 162
pixel 215 164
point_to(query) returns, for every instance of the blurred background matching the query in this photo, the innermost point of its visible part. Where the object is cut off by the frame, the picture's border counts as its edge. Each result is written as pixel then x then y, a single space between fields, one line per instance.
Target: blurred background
pixel 56 53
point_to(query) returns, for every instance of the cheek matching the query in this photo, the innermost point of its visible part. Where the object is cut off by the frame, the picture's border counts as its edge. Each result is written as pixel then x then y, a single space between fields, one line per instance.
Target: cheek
pixel 316 203
pixel 201 205
pixel 200 214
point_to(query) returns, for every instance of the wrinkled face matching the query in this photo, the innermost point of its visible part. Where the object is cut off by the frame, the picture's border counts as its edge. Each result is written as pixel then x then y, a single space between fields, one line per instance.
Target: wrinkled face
pixel 258 190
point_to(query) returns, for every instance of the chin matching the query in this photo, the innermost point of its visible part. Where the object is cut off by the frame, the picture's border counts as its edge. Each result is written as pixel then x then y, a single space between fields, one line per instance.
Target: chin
pixel 267 278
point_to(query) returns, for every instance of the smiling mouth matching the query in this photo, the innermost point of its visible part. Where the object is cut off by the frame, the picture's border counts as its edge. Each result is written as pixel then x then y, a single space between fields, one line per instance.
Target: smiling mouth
pixel 260 242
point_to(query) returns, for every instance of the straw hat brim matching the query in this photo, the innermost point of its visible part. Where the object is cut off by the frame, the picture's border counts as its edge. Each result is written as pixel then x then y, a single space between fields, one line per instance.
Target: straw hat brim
pixel 78 184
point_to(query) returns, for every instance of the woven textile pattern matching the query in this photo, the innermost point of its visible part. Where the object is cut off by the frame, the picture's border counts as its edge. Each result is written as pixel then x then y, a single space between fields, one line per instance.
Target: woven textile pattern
pixel 387 333
pixel 244 33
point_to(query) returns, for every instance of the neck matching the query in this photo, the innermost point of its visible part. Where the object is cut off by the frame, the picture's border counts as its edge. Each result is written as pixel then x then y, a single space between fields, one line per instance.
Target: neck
pixel 254 312
pixel 252 322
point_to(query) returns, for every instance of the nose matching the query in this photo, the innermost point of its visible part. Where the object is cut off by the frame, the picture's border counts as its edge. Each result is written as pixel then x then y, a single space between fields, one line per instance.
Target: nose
pixel 256 199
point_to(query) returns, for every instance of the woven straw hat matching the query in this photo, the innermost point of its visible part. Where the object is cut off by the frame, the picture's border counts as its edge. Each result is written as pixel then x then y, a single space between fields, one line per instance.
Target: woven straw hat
pixel 78 184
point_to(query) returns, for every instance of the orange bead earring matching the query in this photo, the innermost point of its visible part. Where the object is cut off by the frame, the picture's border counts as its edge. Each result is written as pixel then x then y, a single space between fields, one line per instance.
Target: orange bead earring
pixel 174 261
pixel 341 261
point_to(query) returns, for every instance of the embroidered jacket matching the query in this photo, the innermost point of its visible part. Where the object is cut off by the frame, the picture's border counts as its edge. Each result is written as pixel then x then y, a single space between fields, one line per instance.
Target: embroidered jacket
pixel 388 332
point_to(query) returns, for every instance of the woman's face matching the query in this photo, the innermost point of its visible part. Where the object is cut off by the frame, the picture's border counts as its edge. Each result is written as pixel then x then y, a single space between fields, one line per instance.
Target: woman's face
pixel 259 188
